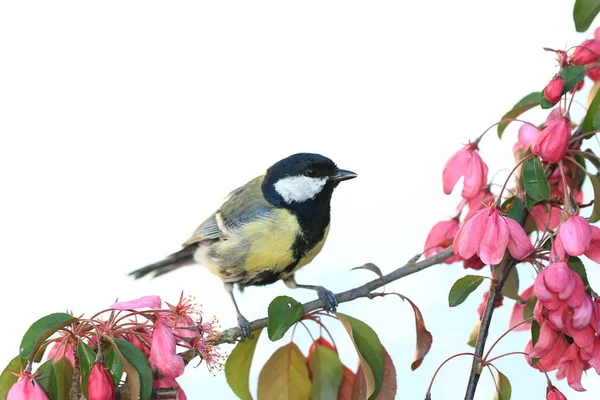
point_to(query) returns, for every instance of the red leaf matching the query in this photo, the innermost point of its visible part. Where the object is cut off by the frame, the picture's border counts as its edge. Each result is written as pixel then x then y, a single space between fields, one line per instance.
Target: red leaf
pixel 321 341
pixel 424 338
pixel 388 387
pixel 347 385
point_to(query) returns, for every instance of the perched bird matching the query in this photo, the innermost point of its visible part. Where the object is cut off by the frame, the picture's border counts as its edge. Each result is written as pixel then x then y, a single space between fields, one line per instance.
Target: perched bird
pixel 265 230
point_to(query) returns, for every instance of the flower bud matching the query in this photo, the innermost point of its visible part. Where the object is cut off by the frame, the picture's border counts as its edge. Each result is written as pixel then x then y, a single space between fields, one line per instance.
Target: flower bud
pixel 553 142
pixel 99 384
pixel 575 235
pixel 553 91
pixel 552 393
pixel 586 53
pixel 26 388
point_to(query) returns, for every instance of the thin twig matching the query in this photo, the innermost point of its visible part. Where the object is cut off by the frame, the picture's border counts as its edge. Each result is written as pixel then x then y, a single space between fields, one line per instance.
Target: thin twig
pixel 232 334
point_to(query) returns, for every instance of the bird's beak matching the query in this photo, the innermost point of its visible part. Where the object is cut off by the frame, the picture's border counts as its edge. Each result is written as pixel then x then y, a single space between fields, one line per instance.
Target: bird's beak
pixel 342 175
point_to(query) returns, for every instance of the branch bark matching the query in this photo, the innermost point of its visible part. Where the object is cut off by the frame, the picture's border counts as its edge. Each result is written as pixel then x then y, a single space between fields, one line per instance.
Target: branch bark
pixel 230 335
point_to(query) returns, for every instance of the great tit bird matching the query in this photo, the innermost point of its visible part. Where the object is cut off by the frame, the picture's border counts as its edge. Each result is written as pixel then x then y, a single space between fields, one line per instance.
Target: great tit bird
pixel 265 230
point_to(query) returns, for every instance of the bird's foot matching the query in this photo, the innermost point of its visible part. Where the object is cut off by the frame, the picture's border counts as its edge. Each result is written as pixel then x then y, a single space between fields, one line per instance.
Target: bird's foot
pixel 244 326
pixel 328 297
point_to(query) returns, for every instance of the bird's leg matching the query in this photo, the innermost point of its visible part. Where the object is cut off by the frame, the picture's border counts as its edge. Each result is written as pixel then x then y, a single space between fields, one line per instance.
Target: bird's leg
pixel 326 295
pixel 242 321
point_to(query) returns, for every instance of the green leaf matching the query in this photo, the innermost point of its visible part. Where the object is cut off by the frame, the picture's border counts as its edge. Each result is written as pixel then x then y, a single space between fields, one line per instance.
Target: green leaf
pixel 577 265
pixel 474 334
pixel 572 76
pixel 511 285
pixel 369 349
pixel 535 332
pixel 63 373
pixel 115 366
pixel 544 102
pixel 584 13
pixel 462 288
pixel 591 122
pixel 529 202
pixel 504 390
pixel 283 313
pixel 526 103
pixel 87 357
pixel 237 367
pixel 46 378
pixel 534 179
pixel 326 373
pixel 139 374
pixel 41 330
pixel 595 216
pixel 7 379
pixel 513 207
pixel 529 306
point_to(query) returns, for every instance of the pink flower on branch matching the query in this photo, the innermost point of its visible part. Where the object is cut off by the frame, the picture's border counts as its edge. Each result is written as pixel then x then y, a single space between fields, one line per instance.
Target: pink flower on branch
pixel 163 354
pixel 465 163
pixel 26 388
pixel 575 235
pixel 553 142
pixel 586 53
pixel 488 234
pixel 552 393
pixel 528 135
pixel 153 302
pixel 516 316
pixel 553 91
pixel 99 384
pixel 571 367
pixel 441 236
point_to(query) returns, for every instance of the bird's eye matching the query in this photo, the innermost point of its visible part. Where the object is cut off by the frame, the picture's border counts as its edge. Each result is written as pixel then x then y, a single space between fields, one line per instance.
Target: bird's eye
pixel 310 172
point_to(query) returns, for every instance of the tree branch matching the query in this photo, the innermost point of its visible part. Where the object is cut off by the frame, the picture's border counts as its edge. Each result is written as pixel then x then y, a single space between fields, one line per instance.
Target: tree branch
pixel 486 320
pixel 230 335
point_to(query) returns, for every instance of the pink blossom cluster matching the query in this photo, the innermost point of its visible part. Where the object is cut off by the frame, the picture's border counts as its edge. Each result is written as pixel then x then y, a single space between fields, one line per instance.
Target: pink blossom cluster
pixel 568 320
pixel 158 332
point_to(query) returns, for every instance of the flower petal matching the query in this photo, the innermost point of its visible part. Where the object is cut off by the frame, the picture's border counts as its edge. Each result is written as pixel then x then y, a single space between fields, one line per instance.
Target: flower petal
pixel 494 240
pixel 143 302
pixel 519 244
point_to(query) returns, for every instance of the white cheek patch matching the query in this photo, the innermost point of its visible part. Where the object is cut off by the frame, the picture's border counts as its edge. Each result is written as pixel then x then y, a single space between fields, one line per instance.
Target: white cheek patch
pixel 299 188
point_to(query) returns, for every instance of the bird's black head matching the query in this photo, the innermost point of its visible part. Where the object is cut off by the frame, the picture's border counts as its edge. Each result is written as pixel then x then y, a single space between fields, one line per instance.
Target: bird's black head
pixel 303 180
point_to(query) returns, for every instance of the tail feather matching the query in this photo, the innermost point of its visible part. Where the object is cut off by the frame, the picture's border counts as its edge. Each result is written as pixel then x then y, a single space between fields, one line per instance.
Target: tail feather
pixel 170 263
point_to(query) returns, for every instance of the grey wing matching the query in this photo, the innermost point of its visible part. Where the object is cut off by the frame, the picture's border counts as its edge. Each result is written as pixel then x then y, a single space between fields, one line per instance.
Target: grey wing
pixel 242 206
pixel 208 230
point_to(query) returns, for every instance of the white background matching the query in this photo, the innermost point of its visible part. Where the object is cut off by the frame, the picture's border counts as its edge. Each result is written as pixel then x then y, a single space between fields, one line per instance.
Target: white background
pixel 124 124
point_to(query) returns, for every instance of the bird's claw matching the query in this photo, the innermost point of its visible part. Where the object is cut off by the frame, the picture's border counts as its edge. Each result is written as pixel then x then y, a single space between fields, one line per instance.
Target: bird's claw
pixel 244 326
pixel 328 297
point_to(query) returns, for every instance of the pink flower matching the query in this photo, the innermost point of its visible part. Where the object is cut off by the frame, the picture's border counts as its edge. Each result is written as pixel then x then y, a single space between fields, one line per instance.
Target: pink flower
pixel 593 73
pixel 593 251
pixel 62 348
pixel 143 302
pixel 163 352
pixel 481 307
pixel 170 383
pixel 441 236
pixel 575 235
pixel 477 202
pixel 556 114
pixel 26 388
pixel 517 312
pixel 546 341
pixel 552 393
pixel 586 53
pixel 571 367
pixel 465 163
pixel 488 234
pixel 553 91
pixel 99 384
pixel 564 303
pixel 182 317
pixel 546 217
pixel 553 142
pixel 528 135
pixel 551 360
pixel 473 263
